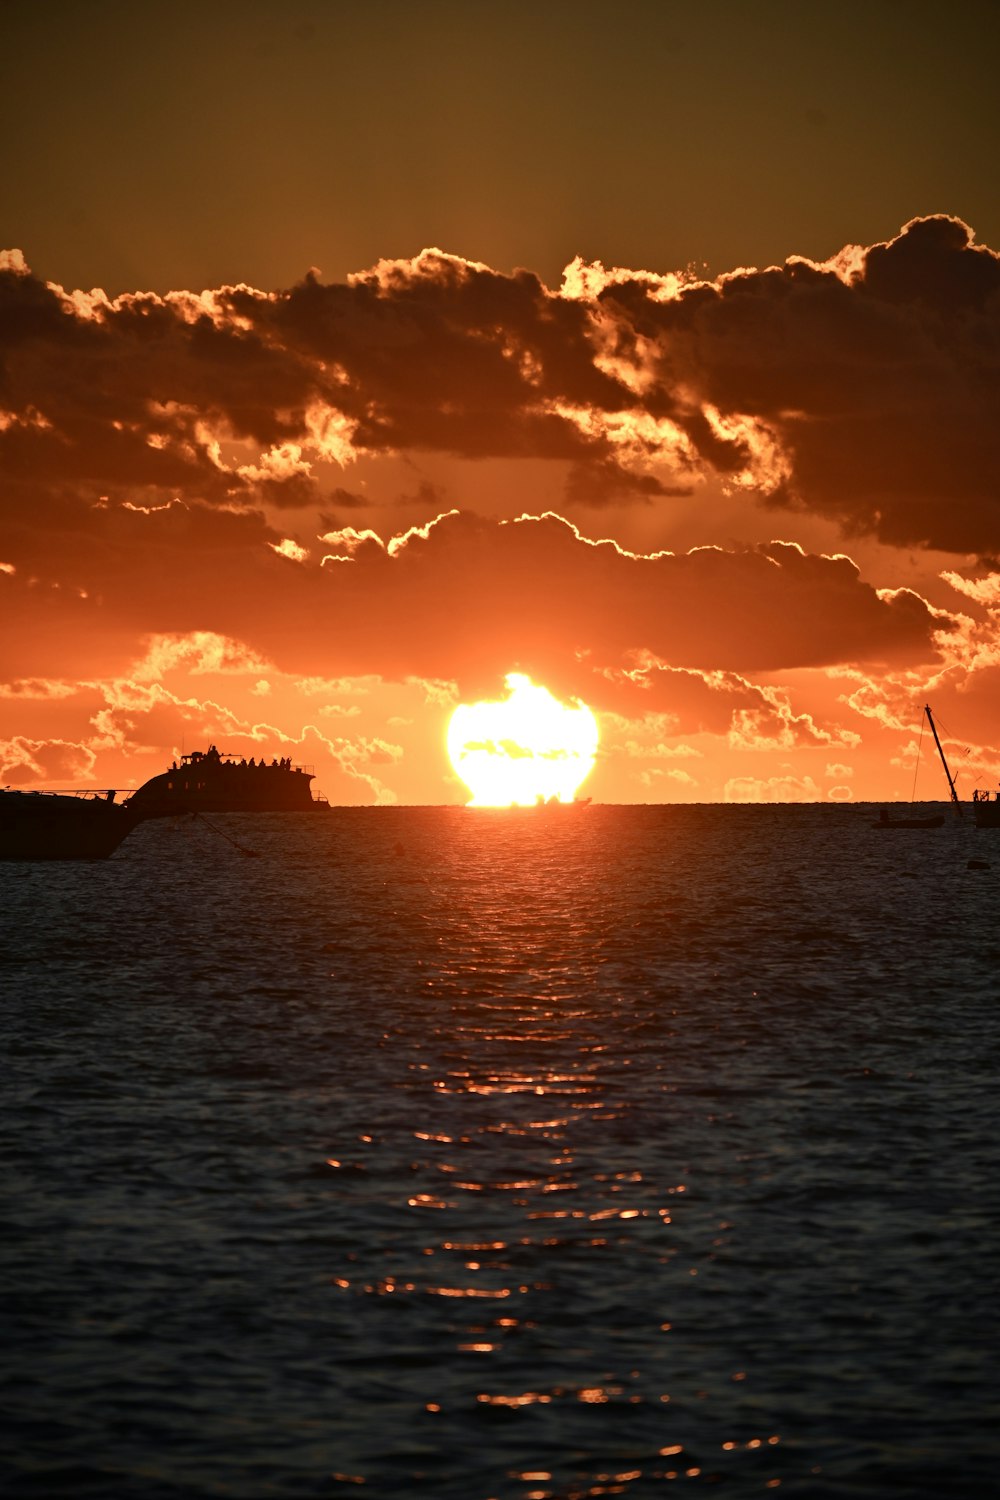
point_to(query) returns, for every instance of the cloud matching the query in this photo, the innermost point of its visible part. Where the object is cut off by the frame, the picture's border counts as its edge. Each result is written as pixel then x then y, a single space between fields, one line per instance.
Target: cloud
pixel 862 389
pixel 223 501
pixel 24 760
pixel 159 703
pixel 772 789
pixel 201 654
pixel 461 599
pixel 35 688
pixel 537 592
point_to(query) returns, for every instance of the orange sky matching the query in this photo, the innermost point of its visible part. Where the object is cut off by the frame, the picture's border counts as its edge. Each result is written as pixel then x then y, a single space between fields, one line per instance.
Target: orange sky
pixel 749 515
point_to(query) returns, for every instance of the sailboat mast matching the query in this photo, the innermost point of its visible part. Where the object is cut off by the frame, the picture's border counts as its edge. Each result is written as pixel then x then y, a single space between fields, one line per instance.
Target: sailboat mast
pixel 951 782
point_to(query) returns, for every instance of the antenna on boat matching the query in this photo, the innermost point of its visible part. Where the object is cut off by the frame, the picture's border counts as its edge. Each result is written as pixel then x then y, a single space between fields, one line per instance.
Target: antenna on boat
pixel 940 750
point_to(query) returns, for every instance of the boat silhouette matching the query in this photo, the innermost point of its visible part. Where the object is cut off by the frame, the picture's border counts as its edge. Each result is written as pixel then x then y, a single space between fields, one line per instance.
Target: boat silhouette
pixel 92 825
pixel 985 805
pixel 62 825
pixel 986 809
pixel 933 820
pixel 930 820
pixel 211 781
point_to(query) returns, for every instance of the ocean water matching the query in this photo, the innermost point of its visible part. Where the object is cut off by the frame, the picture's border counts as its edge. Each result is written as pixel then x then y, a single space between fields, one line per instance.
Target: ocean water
pixel 503 1156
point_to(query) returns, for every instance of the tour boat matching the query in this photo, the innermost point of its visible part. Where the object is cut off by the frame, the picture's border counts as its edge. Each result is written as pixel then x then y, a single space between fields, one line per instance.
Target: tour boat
pixel 209 781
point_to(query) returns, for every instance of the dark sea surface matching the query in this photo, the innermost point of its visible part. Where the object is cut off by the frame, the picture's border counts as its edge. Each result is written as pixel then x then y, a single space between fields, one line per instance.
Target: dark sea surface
pixel 497 1155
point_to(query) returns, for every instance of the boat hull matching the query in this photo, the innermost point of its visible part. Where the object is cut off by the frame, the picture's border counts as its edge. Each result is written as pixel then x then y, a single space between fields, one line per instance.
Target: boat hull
pixel 986 814
pixel 51 826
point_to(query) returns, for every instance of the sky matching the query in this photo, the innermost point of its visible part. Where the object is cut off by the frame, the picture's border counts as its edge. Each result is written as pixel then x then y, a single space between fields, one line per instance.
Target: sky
pixel 355 356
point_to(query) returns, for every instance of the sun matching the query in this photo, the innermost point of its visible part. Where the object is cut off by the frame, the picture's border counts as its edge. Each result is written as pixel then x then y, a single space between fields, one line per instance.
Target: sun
pixel 525 749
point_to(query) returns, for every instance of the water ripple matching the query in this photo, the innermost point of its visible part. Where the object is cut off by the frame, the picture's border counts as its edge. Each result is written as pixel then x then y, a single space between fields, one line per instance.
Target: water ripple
pixel 496 1156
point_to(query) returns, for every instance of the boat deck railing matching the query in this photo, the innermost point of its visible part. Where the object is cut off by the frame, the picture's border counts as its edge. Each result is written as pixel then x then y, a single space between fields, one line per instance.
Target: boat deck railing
pixel 238 762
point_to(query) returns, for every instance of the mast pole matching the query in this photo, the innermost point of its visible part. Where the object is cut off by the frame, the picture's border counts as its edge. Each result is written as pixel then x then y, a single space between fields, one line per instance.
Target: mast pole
pixel 951 781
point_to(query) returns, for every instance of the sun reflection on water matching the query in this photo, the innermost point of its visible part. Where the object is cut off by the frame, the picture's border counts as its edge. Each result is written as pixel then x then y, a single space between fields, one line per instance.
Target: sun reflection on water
pixel 517 1092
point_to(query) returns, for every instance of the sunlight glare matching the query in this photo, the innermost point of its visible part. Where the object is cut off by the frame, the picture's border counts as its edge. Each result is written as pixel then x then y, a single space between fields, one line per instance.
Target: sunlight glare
pixel 527 748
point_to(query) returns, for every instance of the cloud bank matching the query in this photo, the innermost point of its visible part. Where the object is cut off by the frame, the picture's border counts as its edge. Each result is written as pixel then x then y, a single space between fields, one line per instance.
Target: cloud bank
pixel 863 389
pixel 192 468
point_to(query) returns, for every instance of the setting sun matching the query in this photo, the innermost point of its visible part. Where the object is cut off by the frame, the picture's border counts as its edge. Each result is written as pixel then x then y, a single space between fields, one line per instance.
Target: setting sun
pixel 524 749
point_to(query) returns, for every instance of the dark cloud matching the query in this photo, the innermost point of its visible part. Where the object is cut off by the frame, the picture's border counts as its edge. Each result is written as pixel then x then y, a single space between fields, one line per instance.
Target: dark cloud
pixel 603 482
pixel 428 499
pixel 863 390
pixel 463 599
pixel 438 353
pixel 875 377
pixel 132 395
pixel 347 500
pixel 534 593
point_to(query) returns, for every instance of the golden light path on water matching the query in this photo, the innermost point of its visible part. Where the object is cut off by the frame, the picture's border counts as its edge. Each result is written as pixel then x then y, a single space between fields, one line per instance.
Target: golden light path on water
pixel 520 1224
pixel 524 749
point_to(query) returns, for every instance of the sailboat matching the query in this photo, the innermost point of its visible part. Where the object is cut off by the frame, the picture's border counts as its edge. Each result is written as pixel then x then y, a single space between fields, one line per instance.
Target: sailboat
pixel 985 805
pixel 931 820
